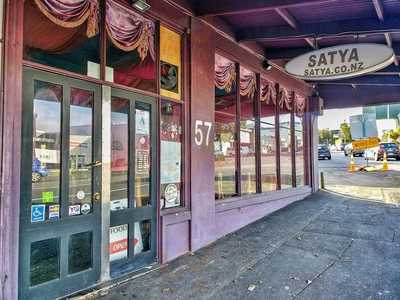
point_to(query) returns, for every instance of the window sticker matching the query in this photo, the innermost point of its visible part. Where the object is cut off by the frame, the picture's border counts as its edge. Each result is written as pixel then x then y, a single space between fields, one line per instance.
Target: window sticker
pixel 54 212
pixel 38 213
pixel 85 208
pixel 47 197
pixel 169 77
pixel 171 195
pixel 74 210
pixel 80 195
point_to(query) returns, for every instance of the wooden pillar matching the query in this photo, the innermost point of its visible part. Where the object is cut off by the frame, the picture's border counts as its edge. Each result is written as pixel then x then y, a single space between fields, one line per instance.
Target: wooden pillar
pixel 202 135
pixel 10 108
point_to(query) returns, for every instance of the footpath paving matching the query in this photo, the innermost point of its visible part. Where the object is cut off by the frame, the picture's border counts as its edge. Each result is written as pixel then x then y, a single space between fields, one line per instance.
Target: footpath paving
pixel 325 247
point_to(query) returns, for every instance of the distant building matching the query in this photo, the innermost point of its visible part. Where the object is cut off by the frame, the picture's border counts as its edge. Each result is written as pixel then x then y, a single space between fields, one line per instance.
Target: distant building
pixel 387 116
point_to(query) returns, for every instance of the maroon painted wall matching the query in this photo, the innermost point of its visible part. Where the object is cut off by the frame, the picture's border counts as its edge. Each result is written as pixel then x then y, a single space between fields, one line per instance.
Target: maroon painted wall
pixel 202 157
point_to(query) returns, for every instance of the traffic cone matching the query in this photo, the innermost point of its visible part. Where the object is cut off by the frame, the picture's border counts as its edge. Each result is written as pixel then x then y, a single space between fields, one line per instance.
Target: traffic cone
pixel 385 166
pixel 352 166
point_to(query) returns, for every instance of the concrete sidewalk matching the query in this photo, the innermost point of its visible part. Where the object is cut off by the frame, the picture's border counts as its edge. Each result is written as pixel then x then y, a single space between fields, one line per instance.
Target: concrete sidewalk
pixel 325 247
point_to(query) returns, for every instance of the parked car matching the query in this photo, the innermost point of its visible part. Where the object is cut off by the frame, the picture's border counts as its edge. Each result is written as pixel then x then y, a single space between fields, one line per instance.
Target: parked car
pixel 348 150
pixel 38 171
pixel 391 149
pixel 324 152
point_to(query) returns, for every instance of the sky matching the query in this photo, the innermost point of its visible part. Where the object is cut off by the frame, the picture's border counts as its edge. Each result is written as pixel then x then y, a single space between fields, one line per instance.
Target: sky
pixel 332 118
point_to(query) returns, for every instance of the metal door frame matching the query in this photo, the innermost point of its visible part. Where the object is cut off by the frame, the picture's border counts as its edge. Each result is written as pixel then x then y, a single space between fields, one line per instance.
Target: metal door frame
pixel 66 225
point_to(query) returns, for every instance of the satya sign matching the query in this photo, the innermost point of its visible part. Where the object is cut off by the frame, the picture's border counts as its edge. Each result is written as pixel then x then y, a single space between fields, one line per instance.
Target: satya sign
pixel 339 62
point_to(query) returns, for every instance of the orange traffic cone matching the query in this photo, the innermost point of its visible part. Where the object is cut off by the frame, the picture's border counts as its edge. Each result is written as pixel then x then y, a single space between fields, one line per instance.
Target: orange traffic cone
pixel 352 166
pixel 385 166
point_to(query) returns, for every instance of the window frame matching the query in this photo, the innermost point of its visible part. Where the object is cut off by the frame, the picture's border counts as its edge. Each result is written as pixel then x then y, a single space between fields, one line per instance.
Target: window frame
pixel 257 112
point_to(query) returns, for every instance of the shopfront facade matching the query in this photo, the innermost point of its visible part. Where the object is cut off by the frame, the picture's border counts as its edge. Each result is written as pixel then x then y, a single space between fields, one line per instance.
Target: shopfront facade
pixel 130 138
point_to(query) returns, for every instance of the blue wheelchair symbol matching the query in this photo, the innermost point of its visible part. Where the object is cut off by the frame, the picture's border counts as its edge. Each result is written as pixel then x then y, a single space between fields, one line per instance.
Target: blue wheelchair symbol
pixel 38 213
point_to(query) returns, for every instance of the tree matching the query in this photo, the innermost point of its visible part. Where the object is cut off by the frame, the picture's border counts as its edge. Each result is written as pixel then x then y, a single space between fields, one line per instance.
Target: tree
pixel 325 136
pixel 345 129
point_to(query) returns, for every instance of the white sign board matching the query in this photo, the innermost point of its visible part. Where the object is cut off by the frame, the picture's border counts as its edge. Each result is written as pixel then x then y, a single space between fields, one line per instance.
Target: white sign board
pixel 343 61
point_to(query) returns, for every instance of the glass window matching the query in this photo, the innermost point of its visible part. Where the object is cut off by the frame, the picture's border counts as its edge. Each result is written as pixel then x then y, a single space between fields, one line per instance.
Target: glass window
pixel 248 87
pixel 66 38
pixel 119 153
pixel 80 152
pixel 142 157
pixel 45 261
pixel 130 48
pixel 80 252
pixel 46 145
pixel 118 242
pixel 142 234
pixel 225 143
pixel 171 154
pixel 267 140
pixel 298 125
pixel 285 141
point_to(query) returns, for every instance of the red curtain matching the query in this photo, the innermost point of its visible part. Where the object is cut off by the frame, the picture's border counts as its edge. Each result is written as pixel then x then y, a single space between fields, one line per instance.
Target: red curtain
pixel 225 73
pixel 268 91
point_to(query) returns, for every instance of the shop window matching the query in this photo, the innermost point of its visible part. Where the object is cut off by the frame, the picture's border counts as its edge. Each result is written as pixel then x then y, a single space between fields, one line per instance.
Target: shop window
pixel 285 132
pixel 130 48
pixel 142 239
pixel 65 37
pixel 299 105
pixel 225 129
pixel 268 136
pixel 171 154
pixel 248 89
pixel 80 252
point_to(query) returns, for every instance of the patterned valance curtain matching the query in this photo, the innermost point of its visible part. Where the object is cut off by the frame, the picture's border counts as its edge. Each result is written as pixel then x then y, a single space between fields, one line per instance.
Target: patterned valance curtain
pixel 126 29
pixel 268 91
pixel 129 31
pixel 285 99
pixel 299 105
pixel 248 83
pixel 225 73
pixel 72 13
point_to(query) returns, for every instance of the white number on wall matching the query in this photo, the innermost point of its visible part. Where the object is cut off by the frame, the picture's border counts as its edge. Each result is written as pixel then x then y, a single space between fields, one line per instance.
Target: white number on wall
pixel 199 132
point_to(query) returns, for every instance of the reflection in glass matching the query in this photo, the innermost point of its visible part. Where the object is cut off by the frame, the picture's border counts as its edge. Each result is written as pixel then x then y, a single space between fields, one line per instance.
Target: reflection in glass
pixel 80 252
pixel 298 123
pixel 142 158
pixel 119 153
pixel 45 261
pixel 268 149
pixel 46 146
pixel 171 154
pixel 66 48
pixel 286 148
pixel 142 234
pixel 248 89
pixel 225 143
pixel 80 152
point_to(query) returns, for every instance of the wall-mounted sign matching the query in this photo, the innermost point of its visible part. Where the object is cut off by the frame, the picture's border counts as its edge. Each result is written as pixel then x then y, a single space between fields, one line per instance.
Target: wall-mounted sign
pixel 343 61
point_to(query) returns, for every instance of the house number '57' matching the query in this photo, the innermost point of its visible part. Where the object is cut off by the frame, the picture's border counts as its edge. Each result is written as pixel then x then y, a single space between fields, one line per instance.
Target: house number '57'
pixel 199 132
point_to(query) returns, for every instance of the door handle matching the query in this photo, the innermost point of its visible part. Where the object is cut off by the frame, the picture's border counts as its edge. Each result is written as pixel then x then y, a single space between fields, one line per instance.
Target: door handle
pixel 96 197
pixel 97 163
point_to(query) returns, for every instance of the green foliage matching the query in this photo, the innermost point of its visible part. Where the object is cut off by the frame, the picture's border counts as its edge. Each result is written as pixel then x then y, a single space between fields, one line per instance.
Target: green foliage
pixel 325 136
pixel 345 129
pixel 393 134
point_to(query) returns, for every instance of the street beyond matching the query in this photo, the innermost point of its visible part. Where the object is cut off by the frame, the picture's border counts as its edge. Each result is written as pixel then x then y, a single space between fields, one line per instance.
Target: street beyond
pixel 377 185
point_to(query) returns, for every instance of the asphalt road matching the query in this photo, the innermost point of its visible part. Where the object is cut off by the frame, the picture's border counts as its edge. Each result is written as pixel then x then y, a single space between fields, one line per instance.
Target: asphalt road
pixel 378 185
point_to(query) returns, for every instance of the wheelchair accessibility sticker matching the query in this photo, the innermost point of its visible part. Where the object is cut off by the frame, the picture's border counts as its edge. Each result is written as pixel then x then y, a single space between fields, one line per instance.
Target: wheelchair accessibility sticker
pixel 38 213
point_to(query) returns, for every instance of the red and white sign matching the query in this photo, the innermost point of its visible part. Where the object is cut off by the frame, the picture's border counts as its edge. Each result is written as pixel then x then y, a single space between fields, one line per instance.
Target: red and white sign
pixel 118 242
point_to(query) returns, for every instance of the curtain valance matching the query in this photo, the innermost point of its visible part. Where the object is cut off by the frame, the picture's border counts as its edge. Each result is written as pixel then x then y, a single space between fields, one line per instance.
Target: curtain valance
pixel 285 98
pixel 225 73
pixel 248 83
pixel 268 91
pixel 129 31
pixel 72 13
pixel 299 105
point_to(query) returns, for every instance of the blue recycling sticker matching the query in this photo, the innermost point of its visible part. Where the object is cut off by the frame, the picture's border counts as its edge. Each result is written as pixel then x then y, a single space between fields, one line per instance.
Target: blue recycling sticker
pixel 38 213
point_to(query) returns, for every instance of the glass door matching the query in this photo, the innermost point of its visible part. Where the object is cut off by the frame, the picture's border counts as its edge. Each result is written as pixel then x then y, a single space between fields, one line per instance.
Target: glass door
pixel 60 185
pixel 133 182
